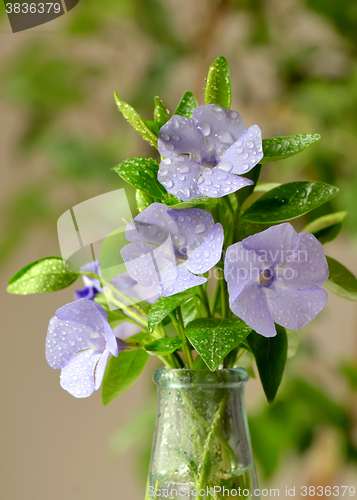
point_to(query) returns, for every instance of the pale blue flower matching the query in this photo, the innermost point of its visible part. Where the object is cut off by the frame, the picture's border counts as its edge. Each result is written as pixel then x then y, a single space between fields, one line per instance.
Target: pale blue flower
pixel 276 277
pixel 92 286
pixel 170 247
pixel 207 155
pixel 79 342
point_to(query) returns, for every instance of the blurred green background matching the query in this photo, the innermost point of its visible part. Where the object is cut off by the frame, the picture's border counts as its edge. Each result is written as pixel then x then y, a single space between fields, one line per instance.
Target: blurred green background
pixel 294 70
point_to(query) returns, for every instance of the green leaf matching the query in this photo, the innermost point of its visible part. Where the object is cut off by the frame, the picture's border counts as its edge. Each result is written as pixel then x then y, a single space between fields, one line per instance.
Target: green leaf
pixel 218 88
pixel 279 148
pixel 44 275
pixel 327 227
pixel 341 281
pixel 206 202
pixel 136 121
pixel 141 172
pixel 122 372
pixel 289 201
pixel 189 312
pixel 143 200
pixel 161 114
pixel 153 126
pixel 187 104
pixel 270 355
pixel 163 347
pixel 164 307
pixel 263 187
pixel 214 338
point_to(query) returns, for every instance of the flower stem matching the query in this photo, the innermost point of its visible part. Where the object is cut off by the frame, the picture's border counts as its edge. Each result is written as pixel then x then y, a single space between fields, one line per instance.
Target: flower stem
pixel 204 299
pixel 177 321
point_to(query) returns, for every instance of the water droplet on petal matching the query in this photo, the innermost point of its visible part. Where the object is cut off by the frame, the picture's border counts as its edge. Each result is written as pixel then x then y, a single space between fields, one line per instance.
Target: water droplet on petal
pixel 200 228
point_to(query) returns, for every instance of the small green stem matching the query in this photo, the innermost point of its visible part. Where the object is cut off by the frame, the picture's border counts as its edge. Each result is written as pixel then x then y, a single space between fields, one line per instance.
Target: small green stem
pixel 216 296
pixel 129 312
pixel 178 324
pixel 204 299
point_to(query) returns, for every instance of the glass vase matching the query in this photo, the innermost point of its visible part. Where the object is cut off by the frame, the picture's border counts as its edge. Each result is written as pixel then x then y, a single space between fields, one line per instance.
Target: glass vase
pixel 201 447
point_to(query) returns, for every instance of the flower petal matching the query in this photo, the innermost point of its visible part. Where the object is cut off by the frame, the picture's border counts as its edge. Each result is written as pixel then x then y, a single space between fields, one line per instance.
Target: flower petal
pixel 153 225
pixel 295 308
pixel 140 264
pixel 251 306
pixel 208 253
pixel 180 135
pixel 77 377
pixel 240 267
pixel 221 127
pixel 194 225
pixel 306 265
pixel 245 153
pixel 100 369
pixel 179 176
pixel 215 182
pixel 88 292
pixel 65 339
pixel 85 312
pixel 272 246
pixel 184 280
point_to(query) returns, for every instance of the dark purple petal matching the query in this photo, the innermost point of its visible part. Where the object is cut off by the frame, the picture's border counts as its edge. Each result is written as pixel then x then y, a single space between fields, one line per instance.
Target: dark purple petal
pixel 251 306
pixel 194 225
pixel 208 253
pixel 244 154
pixel 272 246
pixel 183 281
pixel 77 377
pixel 181 136
pixel 215 182
pixel 88 292
pixel 295 308
pixel 306 265
pixel 179 176
pixel 221 127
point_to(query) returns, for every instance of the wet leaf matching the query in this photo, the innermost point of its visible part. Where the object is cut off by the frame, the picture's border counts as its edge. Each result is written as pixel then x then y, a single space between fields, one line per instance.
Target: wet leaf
pixel 218 87
pixel 44 275
pixel 164 307
pixel 141 172
pixel 161 114
pixel 214 338
pixel 289 201
pixel 163 347
pixel 187 104
pixel 279 148
pixel 136 121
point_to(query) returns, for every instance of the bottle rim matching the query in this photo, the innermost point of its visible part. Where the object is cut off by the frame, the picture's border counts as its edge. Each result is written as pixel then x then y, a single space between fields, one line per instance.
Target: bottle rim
pixel 185 378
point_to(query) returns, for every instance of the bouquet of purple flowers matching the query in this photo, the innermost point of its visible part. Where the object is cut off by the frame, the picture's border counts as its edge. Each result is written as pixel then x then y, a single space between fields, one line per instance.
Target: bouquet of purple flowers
pixel 214 272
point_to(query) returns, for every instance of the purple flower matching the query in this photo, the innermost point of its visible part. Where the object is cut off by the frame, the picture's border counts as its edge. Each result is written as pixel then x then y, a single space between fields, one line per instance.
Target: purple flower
pixel 79 342
pixel 92 286
pixel 276 276
pixel 207 154
pixel 170 247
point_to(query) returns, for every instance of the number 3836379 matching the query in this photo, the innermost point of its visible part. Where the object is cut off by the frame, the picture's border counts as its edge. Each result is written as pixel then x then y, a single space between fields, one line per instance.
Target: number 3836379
pixel 33 8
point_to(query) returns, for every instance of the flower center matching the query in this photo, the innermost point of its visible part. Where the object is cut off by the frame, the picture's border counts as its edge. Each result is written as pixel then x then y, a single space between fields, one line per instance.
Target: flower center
pixel 266 277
